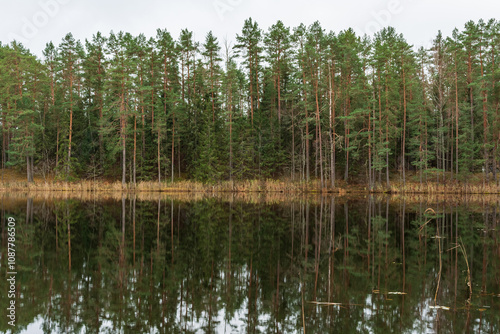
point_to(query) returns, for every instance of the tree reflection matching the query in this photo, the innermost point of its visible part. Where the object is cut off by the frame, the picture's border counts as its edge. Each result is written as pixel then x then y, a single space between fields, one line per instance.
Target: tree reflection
pixel 214 265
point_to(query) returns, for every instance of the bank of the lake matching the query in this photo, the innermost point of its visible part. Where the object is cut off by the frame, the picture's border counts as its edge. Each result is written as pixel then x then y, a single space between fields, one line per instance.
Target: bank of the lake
pixel 11 180
pixel 256 186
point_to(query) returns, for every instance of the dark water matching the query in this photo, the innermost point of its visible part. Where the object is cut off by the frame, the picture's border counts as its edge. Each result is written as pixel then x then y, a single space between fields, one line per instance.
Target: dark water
pixel 319 265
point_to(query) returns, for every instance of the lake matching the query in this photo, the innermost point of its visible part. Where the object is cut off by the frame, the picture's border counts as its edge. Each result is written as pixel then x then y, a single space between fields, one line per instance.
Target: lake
pixel 158 263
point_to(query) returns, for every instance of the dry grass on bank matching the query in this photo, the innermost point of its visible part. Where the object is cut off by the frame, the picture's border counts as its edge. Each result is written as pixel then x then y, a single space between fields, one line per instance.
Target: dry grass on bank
pixel 250 186
pixel 15 181
pixel 12 181
pixel 438 188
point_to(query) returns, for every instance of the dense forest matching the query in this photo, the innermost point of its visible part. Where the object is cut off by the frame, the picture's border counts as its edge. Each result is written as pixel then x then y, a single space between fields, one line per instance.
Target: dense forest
pixel 292 103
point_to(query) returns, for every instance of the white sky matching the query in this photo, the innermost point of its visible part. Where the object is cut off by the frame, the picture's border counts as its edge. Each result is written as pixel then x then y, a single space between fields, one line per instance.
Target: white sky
pixel 36 22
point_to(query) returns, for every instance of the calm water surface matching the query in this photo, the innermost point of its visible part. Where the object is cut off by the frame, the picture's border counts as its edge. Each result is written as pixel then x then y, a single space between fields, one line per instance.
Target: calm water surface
pixel 235 265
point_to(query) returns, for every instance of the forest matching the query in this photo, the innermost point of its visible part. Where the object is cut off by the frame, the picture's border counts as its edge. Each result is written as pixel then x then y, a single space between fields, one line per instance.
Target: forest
pixel 290 103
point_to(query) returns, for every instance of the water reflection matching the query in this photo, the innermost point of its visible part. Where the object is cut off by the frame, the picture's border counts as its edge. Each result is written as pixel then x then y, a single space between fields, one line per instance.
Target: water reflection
pixel 230 265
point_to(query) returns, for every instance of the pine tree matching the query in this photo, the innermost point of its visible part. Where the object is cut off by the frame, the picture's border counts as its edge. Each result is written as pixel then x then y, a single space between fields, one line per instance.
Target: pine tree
pixel 94 68
pixel 188 50
pixel 70 52
pixel 167 55
pixel 299 38
pixel 139 67
pixel 249 48
pixel 21 76
pixel 118 87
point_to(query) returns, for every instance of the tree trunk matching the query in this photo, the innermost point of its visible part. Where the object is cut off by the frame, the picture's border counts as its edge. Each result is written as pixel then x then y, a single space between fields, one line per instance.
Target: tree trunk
pixel 404 124
pixel 173 144
pixel 122 135
pixel 485 118
pixel 99 97
pixel 332 127
pixel 158 156
pixel 457 113
pixel 469 81
pixel 68 168
pixel 387 129
pixel 28 168
pixel 307 123
pixel 318 134
pixel 135 151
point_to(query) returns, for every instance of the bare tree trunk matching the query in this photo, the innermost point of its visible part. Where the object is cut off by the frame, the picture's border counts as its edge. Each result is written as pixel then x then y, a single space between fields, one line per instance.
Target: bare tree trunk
pixel 173 144
pixel 68 169
pixel 387 130
pixel 99 97
pixel 457 113
pixel 307 125
pixel 485 118
pixel 293 145
pixel 32 169
pixel 230 140
pixel 469 81
pixel 135 151
pixel 28 168
pixel 318 122
pixel 404 123
pixel 346 135
pixel 251 88
pixel 122 130
pixel 158 159
pixel 332 126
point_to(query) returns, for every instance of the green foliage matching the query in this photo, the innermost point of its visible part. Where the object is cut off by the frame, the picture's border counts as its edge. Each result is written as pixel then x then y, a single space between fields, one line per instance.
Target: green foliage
pixel 300 101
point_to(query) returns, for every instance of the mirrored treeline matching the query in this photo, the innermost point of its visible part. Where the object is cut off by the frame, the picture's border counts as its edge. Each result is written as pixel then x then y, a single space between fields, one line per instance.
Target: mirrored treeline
pixel 222 264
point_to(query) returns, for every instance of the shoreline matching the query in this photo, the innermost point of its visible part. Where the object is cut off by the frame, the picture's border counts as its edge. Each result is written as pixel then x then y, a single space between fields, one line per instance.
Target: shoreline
pixel 254 186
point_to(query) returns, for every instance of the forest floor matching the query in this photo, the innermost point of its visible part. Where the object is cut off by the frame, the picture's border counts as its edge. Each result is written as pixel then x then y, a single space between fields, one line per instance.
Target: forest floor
pixel 14 176
pixel 11 180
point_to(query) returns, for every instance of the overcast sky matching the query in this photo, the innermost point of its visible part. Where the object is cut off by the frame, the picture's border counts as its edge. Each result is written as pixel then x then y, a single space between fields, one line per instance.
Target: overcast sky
pixel 36 22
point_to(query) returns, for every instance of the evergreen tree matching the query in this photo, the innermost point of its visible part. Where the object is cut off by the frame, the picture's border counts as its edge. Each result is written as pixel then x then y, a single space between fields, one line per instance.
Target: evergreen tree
pixel 70 54
pixel 94 74
pixel 379 107
pixel 167 56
